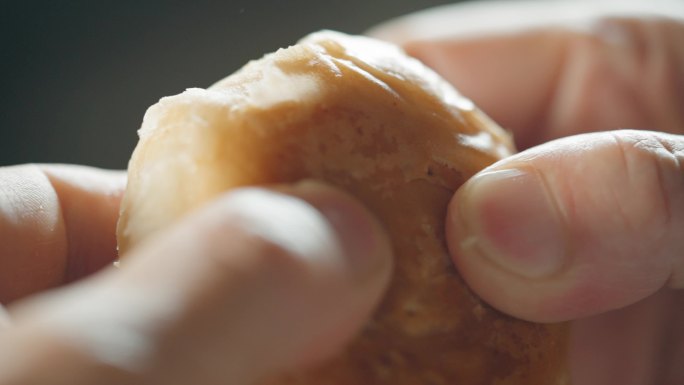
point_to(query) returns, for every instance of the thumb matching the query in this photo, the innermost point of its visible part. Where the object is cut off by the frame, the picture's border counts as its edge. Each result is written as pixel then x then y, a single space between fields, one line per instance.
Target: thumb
pixel 574 227
pixel 257 282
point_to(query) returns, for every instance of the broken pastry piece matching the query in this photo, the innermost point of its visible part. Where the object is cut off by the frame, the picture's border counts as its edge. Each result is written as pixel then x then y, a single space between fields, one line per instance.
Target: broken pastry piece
pixel 360 115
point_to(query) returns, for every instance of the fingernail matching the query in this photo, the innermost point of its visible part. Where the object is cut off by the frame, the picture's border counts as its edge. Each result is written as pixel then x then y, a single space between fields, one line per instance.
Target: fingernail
pixel 365 243
pixel 510 217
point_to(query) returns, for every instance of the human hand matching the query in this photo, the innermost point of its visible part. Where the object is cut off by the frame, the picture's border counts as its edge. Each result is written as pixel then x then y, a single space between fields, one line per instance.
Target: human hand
pixel 243 287
pixel 588 227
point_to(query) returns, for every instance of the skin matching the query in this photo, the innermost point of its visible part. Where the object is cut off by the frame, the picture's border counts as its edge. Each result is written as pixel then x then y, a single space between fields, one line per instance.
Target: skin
pixel 601 214
pixel 581 226
pixel 191 305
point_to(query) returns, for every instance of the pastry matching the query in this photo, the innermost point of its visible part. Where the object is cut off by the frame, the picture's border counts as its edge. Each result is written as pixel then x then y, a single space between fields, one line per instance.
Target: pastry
pixel 360 115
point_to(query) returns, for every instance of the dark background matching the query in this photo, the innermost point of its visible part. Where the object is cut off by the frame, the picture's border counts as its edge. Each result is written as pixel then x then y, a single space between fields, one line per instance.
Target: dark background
pixel 77 76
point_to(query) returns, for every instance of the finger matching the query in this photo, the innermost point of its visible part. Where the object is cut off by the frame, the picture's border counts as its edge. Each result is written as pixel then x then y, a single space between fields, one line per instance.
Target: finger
pixel 254 283
pixel 57 223
pixel 575 227
pixel 550 69
pixel 89 199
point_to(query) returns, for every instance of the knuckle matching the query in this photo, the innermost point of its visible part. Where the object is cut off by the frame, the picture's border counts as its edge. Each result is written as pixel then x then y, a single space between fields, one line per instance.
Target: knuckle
pixel 652 168
pixel 653 165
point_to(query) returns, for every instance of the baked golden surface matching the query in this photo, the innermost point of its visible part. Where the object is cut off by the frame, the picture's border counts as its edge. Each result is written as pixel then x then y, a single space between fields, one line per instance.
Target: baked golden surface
pixel 362 116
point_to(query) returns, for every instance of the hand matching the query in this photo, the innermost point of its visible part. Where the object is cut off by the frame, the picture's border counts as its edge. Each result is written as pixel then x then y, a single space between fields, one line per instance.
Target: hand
pixel 233 291
pixel 587 227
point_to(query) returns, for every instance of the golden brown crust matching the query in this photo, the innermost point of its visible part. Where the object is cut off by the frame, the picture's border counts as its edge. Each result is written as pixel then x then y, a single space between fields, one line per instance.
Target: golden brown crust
pixel 362 116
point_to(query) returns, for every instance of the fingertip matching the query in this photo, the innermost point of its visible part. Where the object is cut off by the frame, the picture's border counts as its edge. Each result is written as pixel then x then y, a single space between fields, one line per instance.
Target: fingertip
pixel 299 268
pixel 507 291
pixel 34 247
pixel 503 239
pixel 368 263
pixel 572 228
pixel 314 223
pixel 362 237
